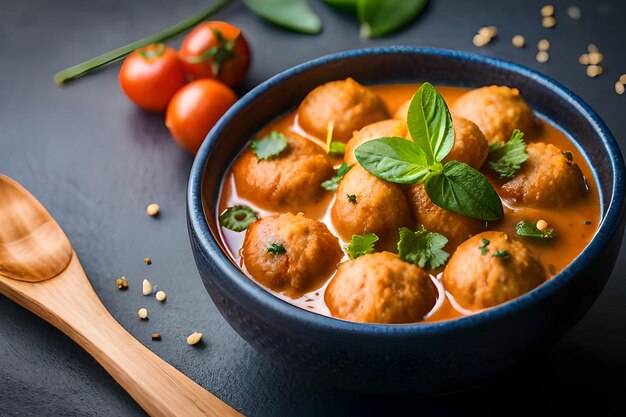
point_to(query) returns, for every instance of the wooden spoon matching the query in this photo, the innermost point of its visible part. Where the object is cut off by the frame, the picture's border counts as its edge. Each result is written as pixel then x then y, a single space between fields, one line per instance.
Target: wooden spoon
pixel 40 271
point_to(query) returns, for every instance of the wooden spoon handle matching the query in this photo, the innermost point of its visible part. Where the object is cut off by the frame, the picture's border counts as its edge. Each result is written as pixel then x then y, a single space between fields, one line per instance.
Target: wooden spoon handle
pixel 69 303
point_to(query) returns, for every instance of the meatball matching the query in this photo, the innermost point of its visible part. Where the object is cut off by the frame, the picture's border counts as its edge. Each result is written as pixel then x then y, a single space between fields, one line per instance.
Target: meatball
pixel 548 179
pixel 498 111
pixel 490 269
pixel 456 227
pixel 385 128
pixel 290 253
pixel 380 288
pixel 470 145
pixel 347 104
pixel 291 180
pixel 366 204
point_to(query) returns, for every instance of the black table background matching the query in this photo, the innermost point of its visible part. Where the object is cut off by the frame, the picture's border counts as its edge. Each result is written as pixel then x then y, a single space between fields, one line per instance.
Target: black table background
pixel 96 161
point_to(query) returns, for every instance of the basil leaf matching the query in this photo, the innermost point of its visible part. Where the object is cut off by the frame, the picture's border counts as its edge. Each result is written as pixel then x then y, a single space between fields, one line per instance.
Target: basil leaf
pixel 381 17
pixel 294 15
pixel 394 160
pixel 346 6
pixel 528 229
pixel 464 190
pixel 430 124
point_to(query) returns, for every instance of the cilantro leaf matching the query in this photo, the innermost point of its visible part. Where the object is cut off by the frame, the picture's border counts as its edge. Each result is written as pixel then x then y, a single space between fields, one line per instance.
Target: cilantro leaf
pixel 506 159
pixel 422 248
pixel 270 146
pixel 528 229
pixel 336 148
pixel 331 184
pixel 238 218
pixel 276 249
pixel 361 245
pixel 502 254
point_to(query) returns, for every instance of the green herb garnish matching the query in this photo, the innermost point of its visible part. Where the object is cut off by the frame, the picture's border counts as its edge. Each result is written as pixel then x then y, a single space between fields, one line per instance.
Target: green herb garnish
pixel 587 222
pixel 276 249
pixel 422 248
pixel 238 218
pixel 331 184
pixel 269 146
pixel 361 245
pixel 351 198
pixel 454 186
pixel 336 148
pixel 506 159
pixel 502 254
pixel 483 247
pixel 528 229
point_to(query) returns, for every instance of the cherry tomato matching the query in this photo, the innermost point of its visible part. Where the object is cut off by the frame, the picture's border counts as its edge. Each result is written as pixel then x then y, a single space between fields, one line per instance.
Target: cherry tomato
pixel 195 109
pixel 151 75
pixel 216 50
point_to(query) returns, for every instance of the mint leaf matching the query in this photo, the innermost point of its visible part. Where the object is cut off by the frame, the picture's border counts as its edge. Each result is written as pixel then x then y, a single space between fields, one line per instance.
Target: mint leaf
pixel 295 15
pixel 430 123
pixel 393 159
pixel 506 159
pixel 336 148
pixel 361 245
pixel 276 249
pixel 422 248
pixel 331 184
pixel 270 146
pixel 528 229
pixel 238 218
pixel 466 191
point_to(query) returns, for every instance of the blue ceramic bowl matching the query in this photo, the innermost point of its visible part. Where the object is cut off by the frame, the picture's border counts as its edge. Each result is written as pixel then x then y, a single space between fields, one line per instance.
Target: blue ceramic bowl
pixel 418 358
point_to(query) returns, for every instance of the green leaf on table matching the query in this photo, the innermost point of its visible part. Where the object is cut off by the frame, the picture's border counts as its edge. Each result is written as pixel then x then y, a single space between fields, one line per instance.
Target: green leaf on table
pixel 270 146
pixel 346 6
pixel 361 245
pixel 333 183
pixel 506 159
pixel 528 229
pixel 394 159
pixel 422 248
pixel 382 17
pixel 430 123
pixel 294 15
pixel 466 191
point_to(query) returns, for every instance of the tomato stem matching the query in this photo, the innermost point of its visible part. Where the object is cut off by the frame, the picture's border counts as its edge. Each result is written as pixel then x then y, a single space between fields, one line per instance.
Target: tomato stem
pixel 76 71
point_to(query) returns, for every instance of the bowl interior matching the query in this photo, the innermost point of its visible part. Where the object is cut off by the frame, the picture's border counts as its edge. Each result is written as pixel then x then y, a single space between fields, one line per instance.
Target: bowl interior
pixel 404 64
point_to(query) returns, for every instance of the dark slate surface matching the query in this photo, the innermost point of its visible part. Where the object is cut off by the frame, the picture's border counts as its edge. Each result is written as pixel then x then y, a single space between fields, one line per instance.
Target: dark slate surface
pixel 95 161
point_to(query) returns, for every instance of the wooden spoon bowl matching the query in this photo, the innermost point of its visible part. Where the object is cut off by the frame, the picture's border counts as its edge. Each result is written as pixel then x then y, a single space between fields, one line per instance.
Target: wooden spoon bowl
pixel 40 271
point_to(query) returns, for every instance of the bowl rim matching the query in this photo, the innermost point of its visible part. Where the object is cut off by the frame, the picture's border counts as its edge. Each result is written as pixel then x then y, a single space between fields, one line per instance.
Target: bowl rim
pixel 208 244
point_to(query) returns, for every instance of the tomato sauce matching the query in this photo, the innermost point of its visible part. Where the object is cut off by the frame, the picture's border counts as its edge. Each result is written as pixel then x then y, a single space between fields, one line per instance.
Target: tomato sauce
pixel 575 225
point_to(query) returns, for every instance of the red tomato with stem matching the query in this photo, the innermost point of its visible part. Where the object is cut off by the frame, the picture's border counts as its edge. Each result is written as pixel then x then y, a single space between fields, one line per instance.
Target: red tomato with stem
pixel 195 109
pixel 216 50
pixel 151 75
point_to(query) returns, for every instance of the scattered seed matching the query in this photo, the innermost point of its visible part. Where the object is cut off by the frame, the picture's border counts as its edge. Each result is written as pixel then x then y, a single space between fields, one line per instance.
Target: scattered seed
pixel 194 338
pixel 622 78
pixel 592 48
pixel 143 314
pixel 161 296
pixel 619 88
pixel 574 12
pixel 518 41
pixel 122 283
pixel 595 58
pixel 543 57
pixel 583 59
pixel 147 261
pixel 147 287
pixel 543 45
pixel 155 336
pixel 547 10
pixel 152 209
pixel 480 40
pixel 548 22
pixel 542 225
pixel 594 70
pixel 488 31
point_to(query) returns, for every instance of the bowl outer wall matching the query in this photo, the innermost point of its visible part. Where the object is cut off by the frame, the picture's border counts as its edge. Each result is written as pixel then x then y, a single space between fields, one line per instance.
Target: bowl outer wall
pixel 399 359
